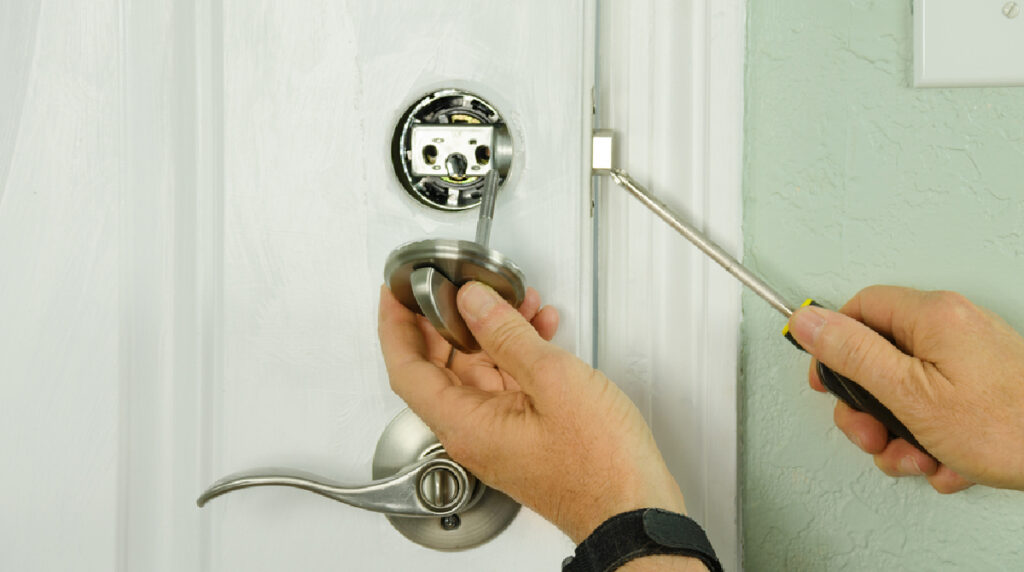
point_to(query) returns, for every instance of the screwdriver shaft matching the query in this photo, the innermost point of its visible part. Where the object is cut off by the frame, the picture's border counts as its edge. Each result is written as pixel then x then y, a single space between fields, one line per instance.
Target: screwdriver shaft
pixel 483 224
pixel 705 244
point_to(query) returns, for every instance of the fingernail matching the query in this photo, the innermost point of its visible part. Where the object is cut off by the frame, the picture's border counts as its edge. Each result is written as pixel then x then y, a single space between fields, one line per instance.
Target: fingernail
pixel 909 466
pixel 806 323
pixel 476 300
pixel 856 440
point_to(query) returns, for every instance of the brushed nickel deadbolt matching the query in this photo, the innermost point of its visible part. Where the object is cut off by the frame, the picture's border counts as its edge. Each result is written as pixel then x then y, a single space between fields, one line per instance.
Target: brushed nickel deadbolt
pixel 425 276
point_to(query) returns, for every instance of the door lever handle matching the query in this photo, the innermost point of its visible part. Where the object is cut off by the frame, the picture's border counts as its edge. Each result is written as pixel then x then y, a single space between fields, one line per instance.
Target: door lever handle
pixel 434 486
pixel 429 498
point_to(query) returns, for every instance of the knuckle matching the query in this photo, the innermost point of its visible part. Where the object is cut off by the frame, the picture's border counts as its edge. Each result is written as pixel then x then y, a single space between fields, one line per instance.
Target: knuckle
pixel 868 291
pixel 950 307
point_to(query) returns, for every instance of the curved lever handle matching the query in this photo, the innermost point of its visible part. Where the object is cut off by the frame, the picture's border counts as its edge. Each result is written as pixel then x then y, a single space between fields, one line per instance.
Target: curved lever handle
pixel 434 486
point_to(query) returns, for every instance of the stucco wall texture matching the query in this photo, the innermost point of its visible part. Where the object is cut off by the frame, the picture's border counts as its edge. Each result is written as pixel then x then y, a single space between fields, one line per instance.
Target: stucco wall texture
pixel 852 178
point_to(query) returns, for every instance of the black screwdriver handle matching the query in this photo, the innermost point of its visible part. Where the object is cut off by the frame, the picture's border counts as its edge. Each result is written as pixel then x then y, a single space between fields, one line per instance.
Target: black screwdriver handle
pixel 852 394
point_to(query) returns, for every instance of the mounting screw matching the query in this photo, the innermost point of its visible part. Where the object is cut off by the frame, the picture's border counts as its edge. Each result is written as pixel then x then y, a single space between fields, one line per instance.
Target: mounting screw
pixel 450 522
pixel 1011 10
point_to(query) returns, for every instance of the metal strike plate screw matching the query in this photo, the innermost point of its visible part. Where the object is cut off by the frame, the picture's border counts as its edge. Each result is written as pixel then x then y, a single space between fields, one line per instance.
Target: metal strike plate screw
pixel 1011 10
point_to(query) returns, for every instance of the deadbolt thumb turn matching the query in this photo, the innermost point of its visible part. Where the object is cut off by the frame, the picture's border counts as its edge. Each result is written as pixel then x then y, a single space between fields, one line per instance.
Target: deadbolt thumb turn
pixel 429 498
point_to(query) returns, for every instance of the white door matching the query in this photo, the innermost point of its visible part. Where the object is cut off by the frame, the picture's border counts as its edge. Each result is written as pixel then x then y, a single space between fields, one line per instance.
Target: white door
pixel 311 209
pixel 196 203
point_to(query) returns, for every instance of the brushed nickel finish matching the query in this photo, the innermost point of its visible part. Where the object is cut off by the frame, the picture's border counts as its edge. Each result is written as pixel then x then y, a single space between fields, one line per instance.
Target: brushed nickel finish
pixel 459 261
pixel 406 440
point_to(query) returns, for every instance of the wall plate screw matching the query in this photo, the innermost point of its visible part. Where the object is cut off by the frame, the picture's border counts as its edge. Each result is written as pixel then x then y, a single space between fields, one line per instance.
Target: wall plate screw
pixel 450 522
pixel 1011 10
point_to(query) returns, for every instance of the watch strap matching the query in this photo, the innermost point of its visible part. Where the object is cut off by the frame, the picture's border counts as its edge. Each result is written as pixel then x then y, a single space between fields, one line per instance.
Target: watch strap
pixel 638 533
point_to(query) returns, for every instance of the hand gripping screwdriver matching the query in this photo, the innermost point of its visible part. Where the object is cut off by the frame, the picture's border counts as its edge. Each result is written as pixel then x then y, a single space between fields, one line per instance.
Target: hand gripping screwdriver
pixel 849 391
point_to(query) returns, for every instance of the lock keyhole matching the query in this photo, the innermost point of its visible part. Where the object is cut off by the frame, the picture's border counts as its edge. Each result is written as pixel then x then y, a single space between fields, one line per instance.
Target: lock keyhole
pixel 456 164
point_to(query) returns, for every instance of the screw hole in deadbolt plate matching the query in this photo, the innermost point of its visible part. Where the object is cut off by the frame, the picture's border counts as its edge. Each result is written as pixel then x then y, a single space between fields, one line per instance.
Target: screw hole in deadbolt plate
pixel 407 440
pixel 443 146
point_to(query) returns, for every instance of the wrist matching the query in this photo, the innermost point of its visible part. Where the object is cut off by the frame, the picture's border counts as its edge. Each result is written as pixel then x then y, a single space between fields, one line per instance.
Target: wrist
pixel 628 495
pixel 652 539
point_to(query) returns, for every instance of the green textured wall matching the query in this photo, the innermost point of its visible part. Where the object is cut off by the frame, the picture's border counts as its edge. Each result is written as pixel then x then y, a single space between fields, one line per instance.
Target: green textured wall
pixel 853 178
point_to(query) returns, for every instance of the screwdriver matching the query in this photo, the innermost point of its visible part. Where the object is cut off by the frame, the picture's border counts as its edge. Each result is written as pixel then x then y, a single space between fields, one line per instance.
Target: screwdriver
pixel 847 390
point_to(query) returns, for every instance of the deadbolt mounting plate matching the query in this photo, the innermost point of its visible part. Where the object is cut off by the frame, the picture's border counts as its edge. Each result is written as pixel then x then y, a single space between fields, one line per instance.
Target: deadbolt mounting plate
pixel 407 440
pixel 443 146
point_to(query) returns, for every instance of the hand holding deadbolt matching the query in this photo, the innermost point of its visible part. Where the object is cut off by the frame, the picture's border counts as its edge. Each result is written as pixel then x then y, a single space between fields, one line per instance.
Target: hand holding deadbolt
pixel 425 276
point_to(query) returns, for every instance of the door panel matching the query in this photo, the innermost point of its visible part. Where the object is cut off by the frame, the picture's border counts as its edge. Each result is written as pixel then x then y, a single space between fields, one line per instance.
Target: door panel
pixel 311 94
pixel 59 174
pixel 196 205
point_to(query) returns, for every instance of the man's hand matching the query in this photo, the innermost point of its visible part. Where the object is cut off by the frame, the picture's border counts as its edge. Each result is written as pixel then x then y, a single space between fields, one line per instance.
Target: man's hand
pixel 525 416
pixel 957 384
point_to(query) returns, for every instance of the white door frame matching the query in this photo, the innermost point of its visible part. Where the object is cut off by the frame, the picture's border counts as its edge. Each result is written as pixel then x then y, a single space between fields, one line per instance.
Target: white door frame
pixel 670 84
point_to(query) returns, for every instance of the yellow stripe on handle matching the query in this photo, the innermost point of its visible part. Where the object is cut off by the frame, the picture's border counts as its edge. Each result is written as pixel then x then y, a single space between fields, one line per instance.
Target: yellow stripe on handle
pixel 807 302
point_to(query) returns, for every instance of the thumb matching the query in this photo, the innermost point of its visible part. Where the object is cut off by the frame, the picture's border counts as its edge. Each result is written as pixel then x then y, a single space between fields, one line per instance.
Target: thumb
pixel 503 332
pixel 855 351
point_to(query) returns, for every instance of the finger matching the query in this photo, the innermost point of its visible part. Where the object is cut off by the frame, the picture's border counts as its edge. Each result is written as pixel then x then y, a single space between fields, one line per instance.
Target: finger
pixel 856 351
pixel 477 370
pixel 862 429
pixel 546 322
pixel 813 379
pixel 901 459
pixel 398 329
pixel 530 305
pixel 421 384
pixel 947 481
pixel 437 348
pixel 503 333
pixel 471 366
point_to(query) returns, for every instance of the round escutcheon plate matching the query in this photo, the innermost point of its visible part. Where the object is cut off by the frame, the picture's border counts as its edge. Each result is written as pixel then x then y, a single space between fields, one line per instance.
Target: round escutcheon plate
pixel 406 440
pixel 460 261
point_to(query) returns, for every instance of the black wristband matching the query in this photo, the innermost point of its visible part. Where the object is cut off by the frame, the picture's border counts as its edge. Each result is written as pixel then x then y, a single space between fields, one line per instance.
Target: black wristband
pixel 643 532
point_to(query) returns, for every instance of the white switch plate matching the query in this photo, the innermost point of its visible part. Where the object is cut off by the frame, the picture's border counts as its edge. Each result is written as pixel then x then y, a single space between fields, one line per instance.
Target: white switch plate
pixel 968 43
